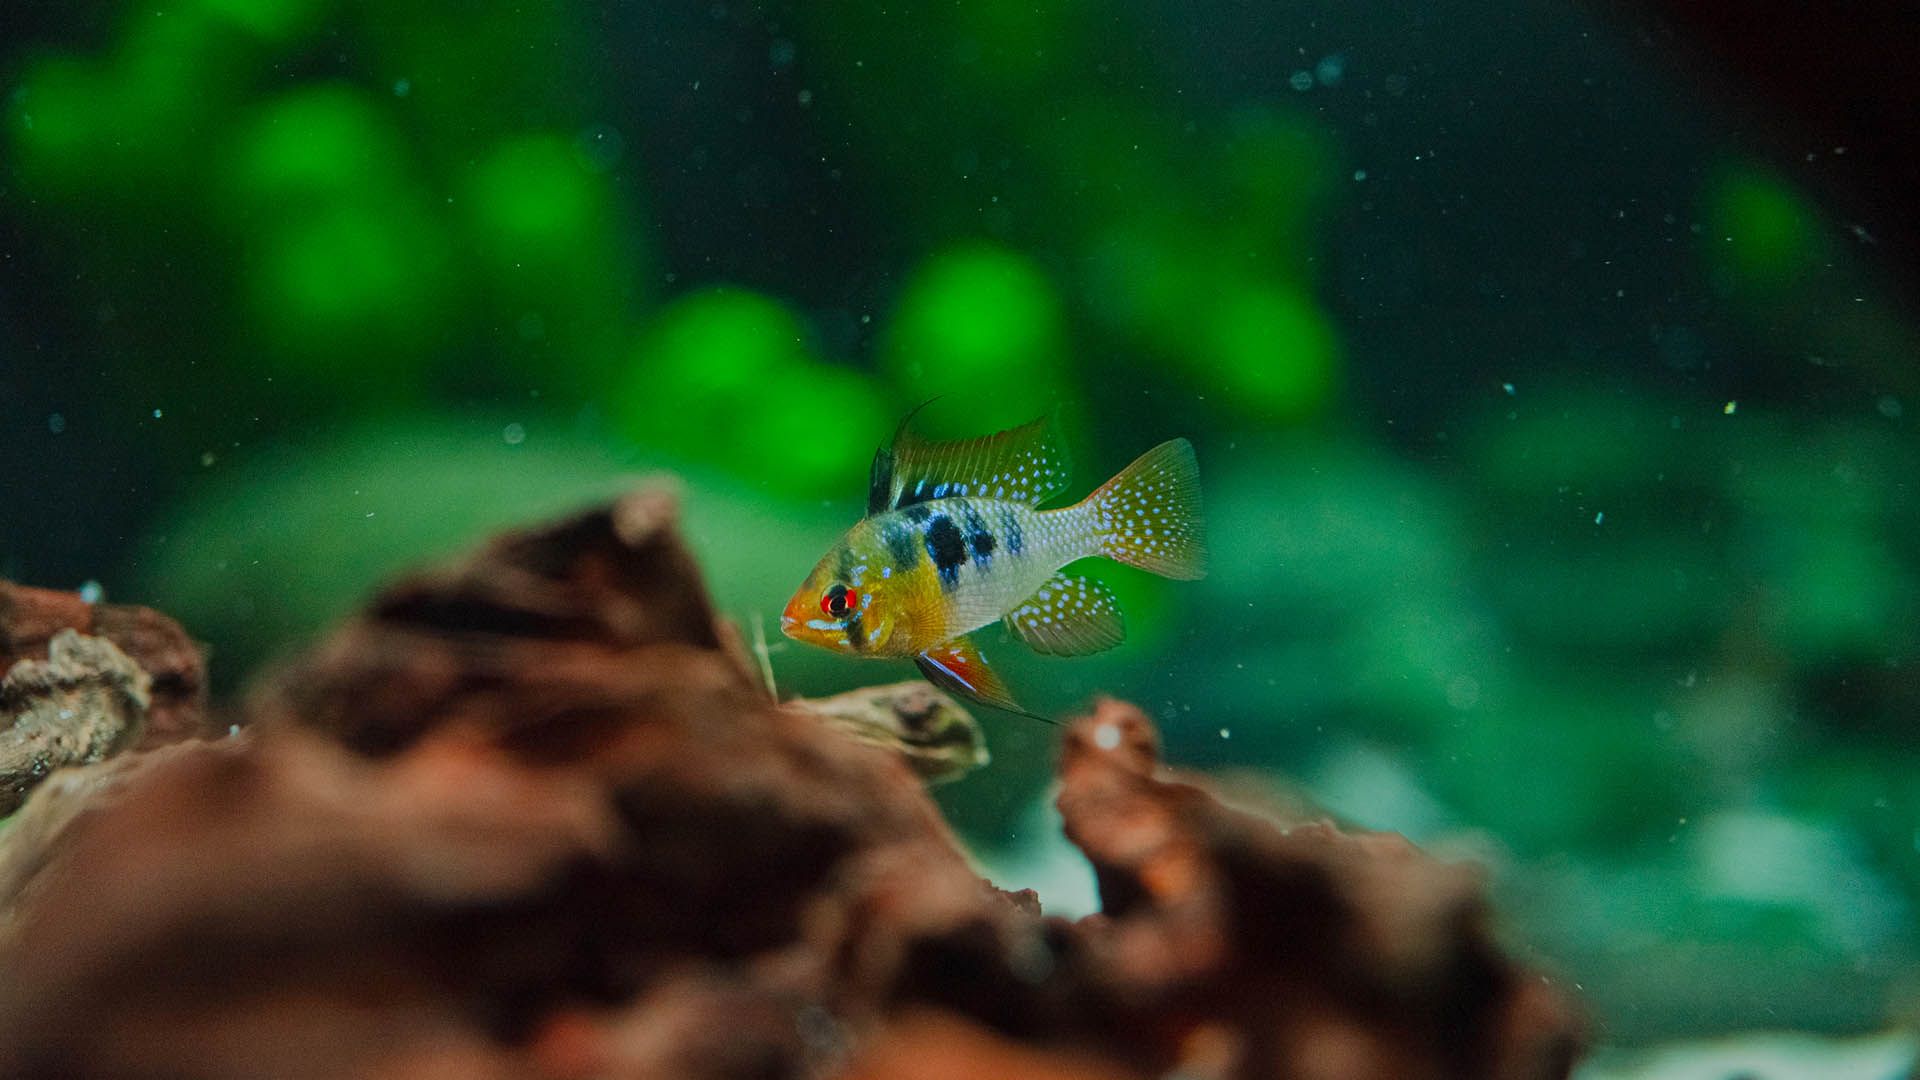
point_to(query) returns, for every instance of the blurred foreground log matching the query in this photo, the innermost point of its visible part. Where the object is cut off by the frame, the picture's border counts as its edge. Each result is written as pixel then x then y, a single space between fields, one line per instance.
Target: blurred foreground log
pixel 530 816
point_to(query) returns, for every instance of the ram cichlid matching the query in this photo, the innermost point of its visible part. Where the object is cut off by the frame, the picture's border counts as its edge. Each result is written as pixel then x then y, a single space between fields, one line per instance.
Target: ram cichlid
pixel 954 539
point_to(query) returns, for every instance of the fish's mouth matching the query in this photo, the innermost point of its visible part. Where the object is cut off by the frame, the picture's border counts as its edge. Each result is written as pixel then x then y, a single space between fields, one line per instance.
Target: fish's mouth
pixel 793 618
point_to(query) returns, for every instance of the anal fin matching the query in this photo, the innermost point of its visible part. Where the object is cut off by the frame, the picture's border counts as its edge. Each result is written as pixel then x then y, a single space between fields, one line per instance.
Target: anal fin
pixel 1069 616
pixel 959 667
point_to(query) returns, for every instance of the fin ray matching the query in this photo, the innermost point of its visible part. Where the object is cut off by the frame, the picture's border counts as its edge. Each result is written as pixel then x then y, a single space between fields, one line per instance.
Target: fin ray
pixel 1148 515
pixel 1069 616
pixel 1025 464
pixel 958 666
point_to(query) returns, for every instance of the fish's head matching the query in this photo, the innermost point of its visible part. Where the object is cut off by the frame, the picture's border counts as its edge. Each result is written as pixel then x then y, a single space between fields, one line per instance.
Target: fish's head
pixel 846 603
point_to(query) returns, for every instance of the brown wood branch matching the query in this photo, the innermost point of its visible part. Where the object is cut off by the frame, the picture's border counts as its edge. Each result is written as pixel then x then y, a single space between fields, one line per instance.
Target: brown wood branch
pixel 530 816
pixel 82 703
pixel 30 619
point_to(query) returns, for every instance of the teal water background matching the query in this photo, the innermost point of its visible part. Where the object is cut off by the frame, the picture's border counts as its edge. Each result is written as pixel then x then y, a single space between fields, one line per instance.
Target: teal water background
pixel 1554 440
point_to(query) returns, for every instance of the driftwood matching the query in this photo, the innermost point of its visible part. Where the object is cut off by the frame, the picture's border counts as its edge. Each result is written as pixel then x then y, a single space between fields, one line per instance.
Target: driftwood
pixel 936 737
pixel 532 816
pixel 177 675
pixel 81 704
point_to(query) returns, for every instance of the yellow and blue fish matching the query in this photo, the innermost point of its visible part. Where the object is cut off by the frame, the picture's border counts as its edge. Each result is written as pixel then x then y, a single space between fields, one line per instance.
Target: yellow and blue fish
pixel 954 540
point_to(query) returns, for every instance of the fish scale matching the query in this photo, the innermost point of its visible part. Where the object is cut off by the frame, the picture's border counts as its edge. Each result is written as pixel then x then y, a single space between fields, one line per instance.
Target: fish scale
pixel 980 590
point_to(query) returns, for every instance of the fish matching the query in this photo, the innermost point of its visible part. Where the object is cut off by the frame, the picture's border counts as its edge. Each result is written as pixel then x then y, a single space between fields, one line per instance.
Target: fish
pixel 955 539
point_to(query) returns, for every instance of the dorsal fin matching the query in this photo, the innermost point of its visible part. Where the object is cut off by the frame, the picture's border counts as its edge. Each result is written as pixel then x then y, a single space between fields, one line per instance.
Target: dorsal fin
pixel 1024 464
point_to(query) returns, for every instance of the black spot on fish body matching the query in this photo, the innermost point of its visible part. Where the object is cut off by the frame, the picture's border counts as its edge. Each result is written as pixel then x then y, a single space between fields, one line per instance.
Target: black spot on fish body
pixel 978 538
pixel 901 543
pixel 917 513
pixel 1010 530
pixel 947 549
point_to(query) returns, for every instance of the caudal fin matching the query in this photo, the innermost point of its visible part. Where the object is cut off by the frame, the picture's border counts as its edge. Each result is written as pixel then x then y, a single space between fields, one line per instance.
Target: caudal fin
pixel 1149 515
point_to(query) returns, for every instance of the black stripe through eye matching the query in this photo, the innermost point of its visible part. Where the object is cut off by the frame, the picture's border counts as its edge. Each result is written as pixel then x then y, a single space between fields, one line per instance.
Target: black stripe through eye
pixel 901 543
pixel 837 601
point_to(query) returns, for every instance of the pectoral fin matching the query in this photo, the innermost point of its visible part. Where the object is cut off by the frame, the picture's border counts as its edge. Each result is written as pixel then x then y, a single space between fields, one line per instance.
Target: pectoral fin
pixel 958 666
pixel 1069 616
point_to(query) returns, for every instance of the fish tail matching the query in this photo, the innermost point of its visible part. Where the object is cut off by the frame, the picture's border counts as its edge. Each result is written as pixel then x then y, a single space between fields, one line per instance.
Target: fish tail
pixel 1149 514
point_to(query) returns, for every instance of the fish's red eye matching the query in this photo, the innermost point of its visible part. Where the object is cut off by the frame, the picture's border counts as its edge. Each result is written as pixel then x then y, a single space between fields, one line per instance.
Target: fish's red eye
pixel 839 600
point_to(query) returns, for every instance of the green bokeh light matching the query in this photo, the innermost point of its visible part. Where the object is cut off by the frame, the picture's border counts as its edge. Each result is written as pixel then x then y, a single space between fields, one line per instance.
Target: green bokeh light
pixel 983 322
pixel 351 289
pixel 271 20
pixel 1765 233
pixel 136 121
pixel 179 72
pixel 728 376
pixel 532 199
pixel 810 430
pixel 317 145
pixel 1279 169
pixel 55 122
pixel 1147 277
pixel 350 270
pixel 706 347
pixel 1271 349
pixel 549 232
